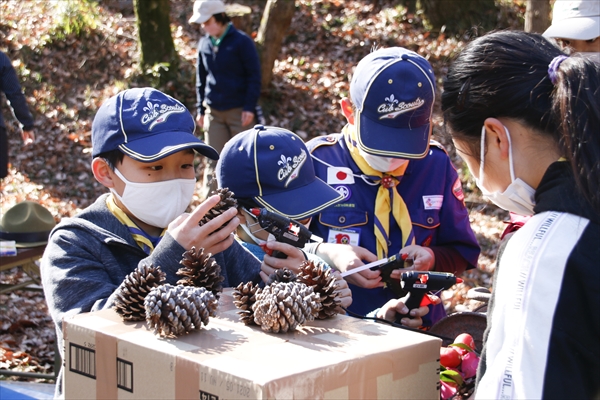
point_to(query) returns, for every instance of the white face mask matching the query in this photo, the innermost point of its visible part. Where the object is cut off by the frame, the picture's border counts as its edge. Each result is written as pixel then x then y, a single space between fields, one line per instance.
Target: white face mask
pixel 382 164
pixel 156 203
pixel 518 196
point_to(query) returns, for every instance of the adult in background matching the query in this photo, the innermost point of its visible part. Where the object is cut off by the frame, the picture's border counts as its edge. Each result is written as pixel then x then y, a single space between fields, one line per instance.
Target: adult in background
pixel 9 85
pixel 227 79
pixel 576 26
pixel 525 118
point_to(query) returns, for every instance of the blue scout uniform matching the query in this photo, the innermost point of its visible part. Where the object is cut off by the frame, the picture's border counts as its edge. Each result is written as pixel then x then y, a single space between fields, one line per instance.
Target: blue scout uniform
pixel 431 190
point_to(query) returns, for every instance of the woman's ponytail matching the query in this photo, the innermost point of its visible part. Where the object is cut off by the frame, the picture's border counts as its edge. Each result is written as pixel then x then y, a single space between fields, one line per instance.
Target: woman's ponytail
pixel 576 103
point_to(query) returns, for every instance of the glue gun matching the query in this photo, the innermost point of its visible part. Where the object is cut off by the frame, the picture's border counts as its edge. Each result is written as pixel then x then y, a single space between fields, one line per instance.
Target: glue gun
pixel 419 283
pixel 284 229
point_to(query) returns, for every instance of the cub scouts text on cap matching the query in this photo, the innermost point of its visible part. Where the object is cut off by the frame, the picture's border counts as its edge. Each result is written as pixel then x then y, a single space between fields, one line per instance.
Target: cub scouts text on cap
pixel 273 167
pixel 393 90
pixel 146 125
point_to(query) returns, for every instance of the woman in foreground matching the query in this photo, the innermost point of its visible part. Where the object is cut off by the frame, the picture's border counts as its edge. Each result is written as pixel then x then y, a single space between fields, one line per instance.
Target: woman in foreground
pixel 526 120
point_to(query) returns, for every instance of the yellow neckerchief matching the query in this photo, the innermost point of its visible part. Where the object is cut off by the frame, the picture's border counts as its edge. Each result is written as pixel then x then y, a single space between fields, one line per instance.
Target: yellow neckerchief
pixel 384 204
pixel 145 241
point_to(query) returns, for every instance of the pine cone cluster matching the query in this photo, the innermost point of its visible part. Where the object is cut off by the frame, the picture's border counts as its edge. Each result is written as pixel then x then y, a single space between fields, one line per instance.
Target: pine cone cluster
pixel 282 306
pixel 227 201
pixel 176 310
pixel 129 302
pixel 244 297
pixel 201 270
pixel 322 281
pixel 281 275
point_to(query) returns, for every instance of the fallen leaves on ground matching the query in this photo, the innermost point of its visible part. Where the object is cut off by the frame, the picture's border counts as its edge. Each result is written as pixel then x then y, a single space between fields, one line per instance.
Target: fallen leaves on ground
pixel 66 80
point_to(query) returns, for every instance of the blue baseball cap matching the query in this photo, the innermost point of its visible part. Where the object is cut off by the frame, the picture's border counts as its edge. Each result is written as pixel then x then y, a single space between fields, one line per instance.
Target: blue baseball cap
pixel 393 90
pixel 146 125
pixel 273 166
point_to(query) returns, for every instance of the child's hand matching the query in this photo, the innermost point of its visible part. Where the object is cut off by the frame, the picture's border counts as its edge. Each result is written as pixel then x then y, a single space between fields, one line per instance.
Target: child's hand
pixel 397 306
pixel 345 294
pixel 212 236
pixel 345 257
pixel 295 257
pixel 423 259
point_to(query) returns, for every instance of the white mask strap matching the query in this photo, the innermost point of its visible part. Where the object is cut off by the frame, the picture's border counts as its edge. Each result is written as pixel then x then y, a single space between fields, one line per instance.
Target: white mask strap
pixel 510 158
pixel 482 154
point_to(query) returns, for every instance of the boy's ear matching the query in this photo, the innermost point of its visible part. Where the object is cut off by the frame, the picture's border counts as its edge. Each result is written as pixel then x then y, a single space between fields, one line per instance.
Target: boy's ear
pixel 102 172
pixel 347 110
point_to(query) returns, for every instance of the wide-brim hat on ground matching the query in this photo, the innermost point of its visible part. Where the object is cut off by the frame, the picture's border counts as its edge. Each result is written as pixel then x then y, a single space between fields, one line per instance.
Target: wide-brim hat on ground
pixel 204 9
pixel 146 125
pixel 576 20
pixel 27 223
pixel 393 90
pixel 273 167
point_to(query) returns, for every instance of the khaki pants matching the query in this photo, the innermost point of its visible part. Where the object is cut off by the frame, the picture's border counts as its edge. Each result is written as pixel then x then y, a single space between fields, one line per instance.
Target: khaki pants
pixel 220 126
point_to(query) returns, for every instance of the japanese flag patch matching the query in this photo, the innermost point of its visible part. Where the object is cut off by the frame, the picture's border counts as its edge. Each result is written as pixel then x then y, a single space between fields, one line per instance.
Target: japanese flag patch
pixel 339 175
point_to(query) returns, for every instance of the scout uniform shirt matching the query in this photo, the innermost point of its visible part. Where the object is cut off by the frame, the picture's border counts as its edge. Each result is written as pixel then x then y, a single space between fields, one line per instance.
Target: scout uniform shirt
pixel 431 189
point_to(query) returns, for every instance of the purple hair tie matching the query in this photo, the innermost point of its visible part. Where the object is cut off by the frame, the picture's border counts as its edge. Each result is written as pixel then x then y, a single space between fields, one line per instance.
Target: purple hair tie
pixel 553 68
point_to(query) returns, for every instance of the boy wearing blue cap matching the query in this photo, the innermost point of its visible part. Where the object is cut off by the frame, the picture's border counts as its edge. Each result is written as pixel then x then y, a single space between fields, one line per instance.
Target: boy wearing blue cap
pixel 143 152
pixel 270 167
pixel 400 194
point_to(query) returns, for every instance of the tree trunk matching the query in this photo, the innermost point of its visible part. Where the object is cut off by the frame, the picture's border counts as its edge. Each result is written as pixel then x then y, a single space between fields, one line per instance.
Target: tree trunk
pixel 274 24
pixel 537 16
pixel 458 16
pixel 154 33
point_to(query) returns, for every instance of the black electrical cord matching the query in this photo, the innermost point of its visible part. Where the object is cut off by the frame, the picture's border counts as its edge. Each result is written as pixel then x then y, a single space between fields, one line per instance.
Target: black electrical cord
pixel 396 325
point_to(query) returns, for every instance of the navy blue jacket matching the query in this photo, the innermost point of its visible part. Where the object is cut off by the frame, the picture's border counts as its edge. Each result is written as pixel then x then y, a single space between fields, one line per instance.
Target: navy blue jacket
pixel 230 77
pixel 9 84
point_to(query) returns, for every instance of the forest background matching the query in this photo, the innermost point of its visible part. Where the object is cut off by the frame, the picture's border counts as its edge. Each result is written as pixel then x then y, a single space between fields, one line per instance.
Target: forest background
pixel 71 55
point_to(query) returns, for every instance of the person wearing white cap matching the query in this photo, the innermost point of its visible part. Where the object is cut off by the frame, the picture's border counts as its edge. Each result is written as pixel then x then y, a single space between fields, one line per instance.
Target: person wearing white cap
pixel 576 26
pixel 227 79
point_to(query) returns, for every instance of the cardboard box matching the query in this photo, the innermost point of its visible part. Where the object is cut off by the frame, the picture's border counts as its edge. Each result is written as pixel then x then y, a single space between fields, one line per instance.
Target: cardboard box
pixel 338 358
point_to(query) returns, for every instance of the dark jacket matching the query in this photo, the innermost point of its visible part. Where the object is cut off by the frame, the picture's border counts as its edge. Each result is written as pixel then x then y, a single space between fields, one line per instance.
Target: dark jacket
pixel 9 85
pixel 542 339
pixel 229 77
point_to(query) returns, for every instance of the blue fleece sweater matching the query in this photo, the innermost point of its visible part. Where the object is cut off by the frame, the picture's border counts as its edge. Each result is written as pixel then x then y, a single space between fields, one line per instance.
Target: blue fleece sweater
pixel 88 256
pixel 229 77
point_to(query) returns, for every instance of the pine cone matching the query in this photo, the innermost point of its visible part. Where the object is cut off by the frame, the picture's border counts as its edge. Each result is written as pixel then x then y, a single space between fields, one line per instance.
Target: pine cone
pixel 244 297
pixel 227 201
pixel 281 275
pixel 201 270
pixel 282 306
pixel 176 310
pixel 129 302
pixel 322 281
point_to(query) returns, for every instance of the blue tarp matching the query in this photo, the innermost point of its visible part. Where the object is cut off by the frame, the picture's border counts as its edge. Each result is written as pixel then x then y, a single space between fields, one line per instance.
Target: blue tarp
pixel 12 390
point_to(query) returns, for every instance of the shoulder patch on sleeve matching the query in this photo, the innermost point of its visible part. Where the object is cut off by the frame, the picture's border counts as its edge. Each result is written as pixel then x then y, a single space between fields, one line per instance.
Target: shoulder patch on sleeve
pixel 457 190
pixel 437 144
pixel 326 140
